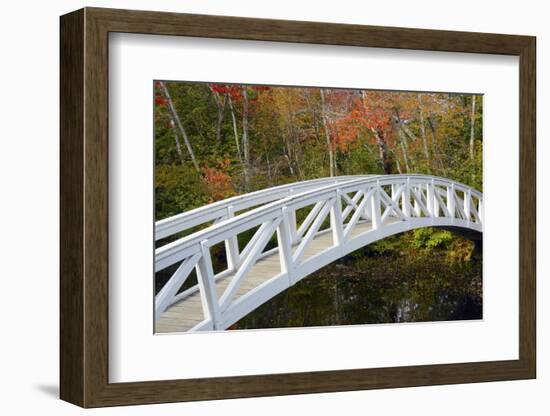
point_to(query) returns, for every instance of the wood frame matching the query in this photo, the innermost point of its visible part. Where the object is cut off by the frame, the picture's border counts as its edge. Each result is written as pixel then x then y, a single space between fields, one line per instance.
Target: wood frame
pixel 84 208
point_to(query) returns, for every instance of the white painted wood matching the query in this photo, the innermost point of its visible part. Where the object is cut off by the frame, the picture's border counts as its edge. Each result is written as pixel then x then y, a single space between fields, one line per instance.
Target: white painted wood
pixel 352 204
pixel 467 205
pixel 375 207
pixel 441 205
pixel 254 276
pixel 189 219
pixel 420 207
pixel 391 204
pixel 451 200
pixel 357 214
pixel 166 295
pixel 406 199
pixel 312 230
pixel 336 222
pixel 207 285
pixel 284 240
pixel 254 241
pixel 232 245
pixel 309 219
pixel 247 264
pixel 430 199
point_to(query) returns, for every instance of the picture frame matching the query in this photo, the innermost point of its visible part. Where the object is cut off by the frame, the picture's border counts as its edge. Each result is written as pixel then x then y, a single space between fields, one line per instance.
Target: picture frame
pixel 84 215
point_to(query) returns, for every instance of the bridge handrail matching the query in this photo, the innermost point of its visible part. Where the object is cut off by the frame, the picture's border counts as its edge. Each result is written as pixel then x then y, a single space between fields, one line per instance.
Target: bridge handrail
pixel 217 232
pixel 219 209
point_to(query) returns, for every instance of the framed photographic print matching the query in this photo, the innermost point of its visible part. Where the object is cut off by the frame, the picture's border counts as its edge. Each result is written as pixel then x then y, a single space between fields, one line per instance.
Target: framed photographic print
pixel 255 207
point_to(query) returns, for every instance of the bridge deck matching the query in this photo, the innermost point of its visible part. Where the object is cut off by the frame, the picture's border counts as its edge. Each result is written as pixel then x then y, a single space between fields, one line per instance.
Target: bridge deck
pixel 187 313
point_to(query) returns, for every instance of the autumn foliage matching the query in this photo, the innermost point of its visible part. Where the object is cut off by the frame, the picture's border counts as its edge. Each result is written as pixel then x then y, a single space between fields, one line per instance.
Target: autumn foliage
pixel 217 182
pixel 235 138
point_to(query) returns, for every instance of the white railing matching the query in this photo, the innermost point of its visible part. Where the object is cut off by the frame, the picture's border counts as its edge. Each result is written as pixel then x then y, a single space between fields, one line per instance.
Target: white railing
pixel 230 207
pixel 385 205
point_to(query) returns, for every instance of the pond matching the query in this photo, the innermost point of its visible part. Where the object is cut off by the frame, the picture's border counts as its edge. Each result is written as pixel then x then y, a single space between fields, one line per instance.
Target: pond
pixel 366 289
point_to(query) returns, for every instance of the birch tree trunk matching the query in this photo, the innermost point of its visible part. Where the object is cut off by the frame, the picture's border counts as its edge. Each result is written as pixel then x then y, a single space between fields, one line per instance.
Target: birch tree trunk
pixel 176 120
pixel 327 134
pixel 403 143
pixel 287 152
pixel 246 144
pixel 220 104
pixel 236 132
pixel 472 127
pixel 178 144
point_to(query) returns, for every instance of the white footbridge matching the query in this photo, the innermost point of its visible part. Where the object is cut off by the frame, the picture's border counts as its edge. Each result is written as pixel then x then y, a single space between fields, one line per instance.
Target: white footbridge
pixel 341 214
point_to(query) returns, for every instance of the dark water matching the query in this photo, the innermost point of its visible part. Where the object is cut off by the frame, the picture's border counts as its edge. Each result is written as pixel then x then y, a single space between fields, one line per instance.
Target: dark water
pixel 377 289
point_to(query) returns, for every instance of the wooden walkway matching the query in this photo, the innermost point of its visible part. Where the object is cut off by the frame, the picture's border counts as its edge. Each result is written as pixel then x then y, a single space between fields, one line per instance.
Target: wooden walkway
pixel 187 313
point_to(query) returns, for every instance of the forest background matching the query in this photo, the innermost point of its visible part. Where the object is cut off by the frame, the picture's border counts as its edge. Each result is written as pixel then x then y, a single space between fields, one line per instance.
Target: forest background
pixel 214 141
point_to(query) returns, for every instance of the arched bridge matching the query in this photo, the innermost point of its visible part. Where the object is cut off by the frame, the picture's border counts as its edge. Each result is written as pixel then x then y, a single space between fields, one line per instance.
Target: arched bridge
pixel 340 215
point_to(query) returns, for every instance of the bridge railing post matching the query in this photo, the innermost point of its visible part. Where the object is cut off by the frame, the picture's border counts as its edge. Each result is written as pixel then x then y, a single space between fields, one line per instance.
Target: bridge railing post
pixel 336 222
pixel 375 207
pixel 207 288
pixel 406 199
pixel 430 199
pixel 284 242
pixel 435 200
pixel 451 200
pixel 467 205
pixel 232 246
pixel 417 209
pixel 292 226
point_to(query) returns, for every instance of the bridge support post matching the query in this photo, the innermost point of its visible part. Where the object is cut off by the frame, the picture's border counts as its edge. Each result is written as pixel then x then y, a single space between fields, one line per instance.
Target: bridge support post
pixel 406 199
pixel 467 205
pixel 430 199
pixel 417 209
pixel 207 288
pixel 336 221
pixel 451 200
pixel 435 200
pixel 375 207
pixel 232 246
pixel 284 240
pixel 292 226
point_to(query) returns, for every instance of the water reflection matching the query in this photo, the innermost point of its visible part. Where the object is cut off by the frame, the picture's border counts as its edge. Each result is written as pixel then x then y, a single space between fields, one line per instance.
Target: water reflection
pixel 377 289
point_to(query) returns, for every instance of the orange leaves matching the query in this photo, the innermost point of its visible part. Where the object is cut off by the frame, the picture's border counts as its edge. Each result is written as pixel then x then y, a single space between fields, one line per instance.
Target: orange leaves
pixel 217 181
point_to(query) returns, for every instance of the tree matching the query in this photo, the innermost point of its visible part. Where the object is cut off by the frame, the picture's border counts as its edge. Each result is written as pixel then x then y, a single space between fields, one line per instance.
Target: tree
pixel 175 120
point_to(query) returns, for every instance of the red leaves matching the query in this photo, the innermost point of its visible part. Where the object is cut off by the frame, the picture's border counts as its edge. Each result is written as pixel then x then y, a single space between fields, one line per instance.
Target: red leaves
pixel 236 91
pixel 160 101
pixel 217 182
pixel 362 114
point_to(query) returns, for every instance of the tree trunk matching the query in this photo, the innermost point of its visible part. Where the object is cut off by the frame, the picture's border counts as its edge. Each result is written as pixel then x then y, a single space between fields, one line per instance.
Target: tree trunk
pixel 385 160
pixel 236 132
pixel 175 119
pixel 220 103
pixel 287 153
pixel 246 145
pixel 383 151
pixel 423 129
pixel 327 134
pixel 178 145
pixel 403 143
pixel 472 127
